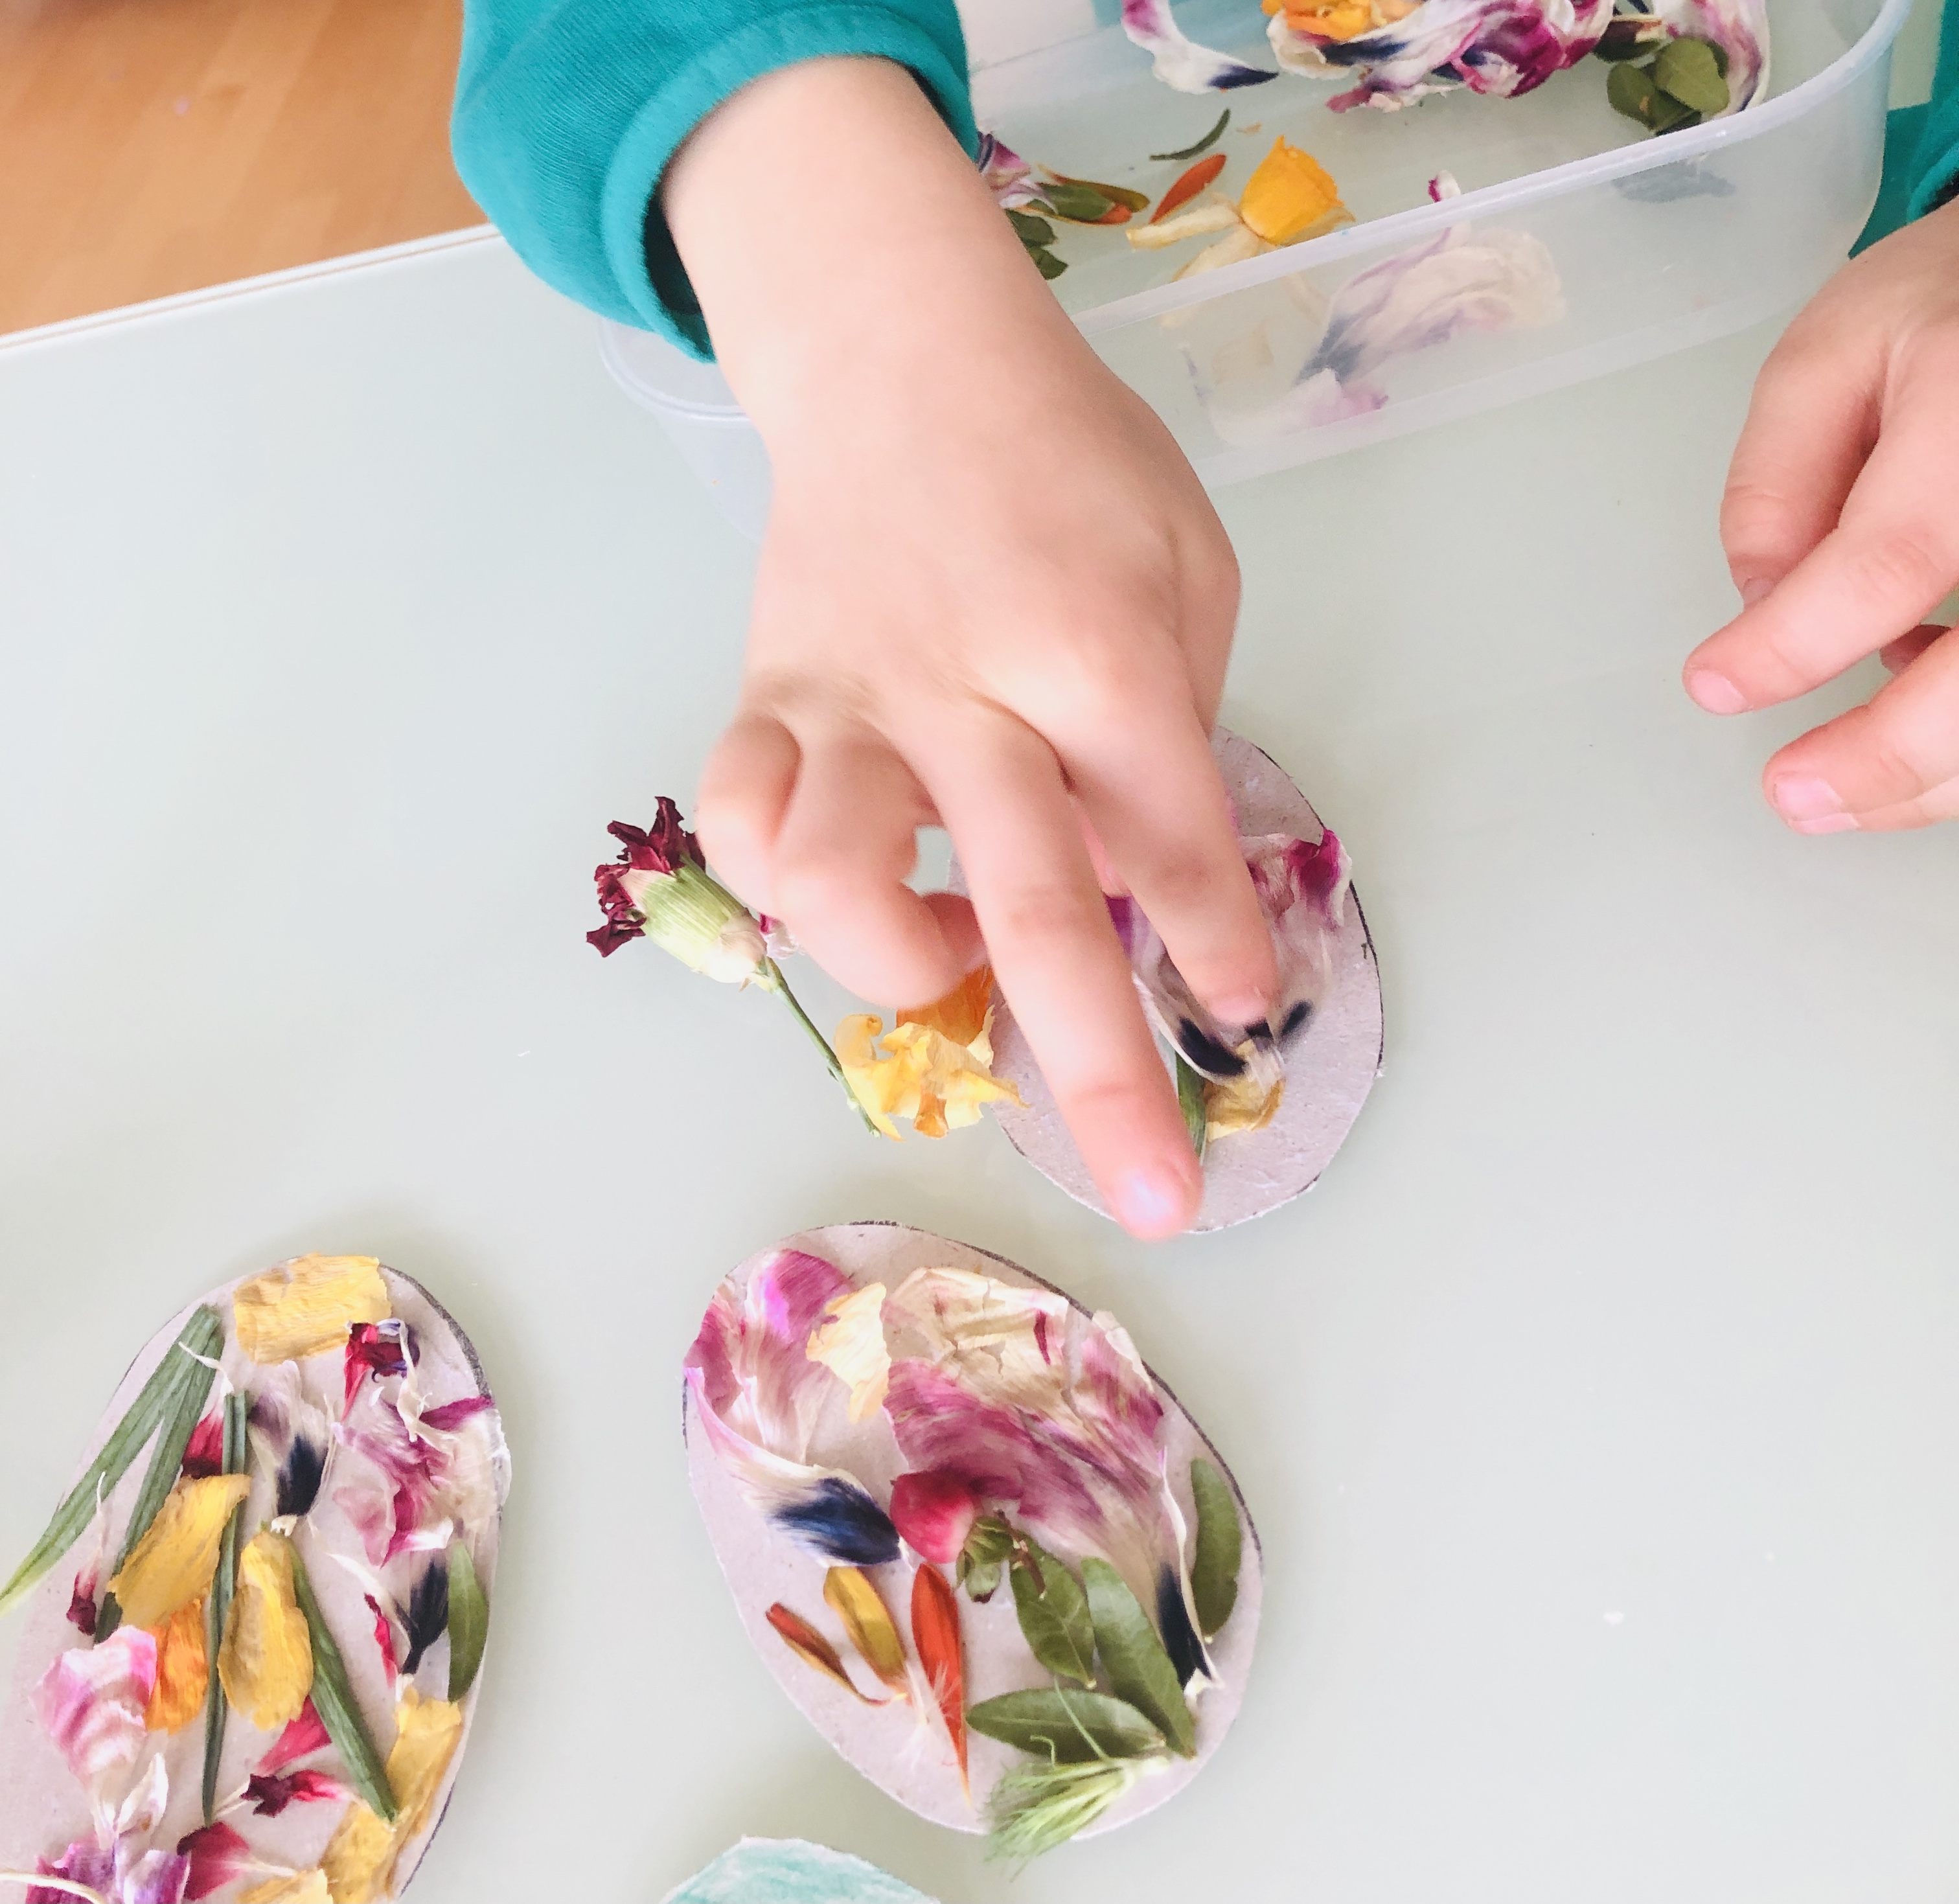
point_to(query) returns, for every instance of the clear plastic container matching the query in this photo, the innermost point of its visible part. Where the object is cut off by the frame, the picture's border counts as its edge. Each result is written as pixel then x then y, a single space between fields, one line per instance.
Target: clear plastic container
pixel 1635 247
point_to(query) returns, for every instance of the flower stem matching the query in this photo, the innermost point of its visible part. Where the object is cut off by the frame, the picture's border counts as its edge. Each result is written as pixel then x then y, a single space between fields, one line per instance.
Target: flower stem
pixel 780 986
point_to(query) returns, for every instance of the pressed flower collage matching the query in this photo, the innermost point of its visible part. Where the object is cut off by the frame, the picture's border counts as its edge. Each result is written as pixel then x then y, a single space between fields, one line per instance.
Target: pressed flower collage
pixel 983 1549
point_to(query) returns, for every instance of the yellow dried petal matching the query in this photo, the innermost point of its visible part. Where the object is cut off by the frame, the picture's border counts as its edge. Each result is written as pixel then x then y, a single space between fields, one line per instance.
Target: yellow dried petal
pixel 877 1081
pixel 303 1887
pixel 1289 192
pixel 964 1014
pixel 1236 1104
pixel 174 1560
pixel 307 1305
pixel 850 1594
pixel 183 1670
pixel 266 1659
pixel 359 1860
pixel 850 1342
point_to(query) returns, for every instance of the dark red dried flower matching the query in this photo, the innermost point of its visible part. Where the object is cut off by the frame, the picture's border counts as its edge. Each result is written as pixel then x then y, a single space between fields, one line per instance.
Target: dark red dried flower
pixel 665 847
pixel 203 1453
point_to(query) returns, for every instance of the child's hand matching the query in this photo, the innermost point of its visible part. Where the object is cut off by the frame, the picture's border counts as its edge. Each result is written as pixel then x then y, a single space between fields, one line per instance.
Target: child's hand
pixel 1841 523
pixel 992 594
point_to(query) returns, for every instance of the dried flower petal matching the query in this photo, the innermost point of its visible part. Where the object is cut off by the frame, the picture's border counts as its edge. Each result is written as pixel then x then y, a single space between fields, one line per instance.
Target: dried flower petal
pixel 936 1636
pixel 266 1661
pixel 183 1670
pixel 1211 212
pixel 269 1793
pixel 307 1305
pixel 757 1395
pixel 91 1701
pixel 813 1649
pixel 933 1514
pixel 1234 1105
pixel 360 1858
pixel 915 1071
pixel 659 888
pixel 173 1563
pixel 306 1735
pixel 302 1887
pixel 850 1342
pixel 1291 195
pixel 1188 186
pixel 1178 62
pixel 848 1594
pixel 217 1855
pixel 203 1453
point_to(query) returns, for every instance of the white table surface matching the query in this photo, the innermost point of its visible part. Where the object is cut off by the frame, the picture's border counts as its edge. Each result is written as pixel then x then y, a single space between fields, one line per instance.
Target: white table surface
pixel 1598 1410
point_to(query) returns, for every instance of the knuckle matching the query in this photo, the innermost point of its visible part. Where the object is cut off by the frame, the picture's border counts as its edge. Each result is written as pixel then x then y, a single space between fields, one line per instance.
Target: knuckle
pixel 1754 515
pixel 1903 562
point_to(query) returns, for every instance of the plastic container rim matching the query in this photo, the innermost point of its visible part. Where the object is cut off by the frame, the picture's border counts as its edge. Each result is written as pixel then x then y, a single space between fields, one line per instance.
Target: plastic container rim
pixel 1678 148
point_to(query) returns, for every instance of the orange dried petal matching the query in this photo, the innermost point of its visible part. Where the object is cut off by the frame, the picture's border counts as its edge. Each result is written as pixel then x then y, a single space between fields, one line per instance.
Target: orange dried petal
pixel 1289 192
pixel 183 1670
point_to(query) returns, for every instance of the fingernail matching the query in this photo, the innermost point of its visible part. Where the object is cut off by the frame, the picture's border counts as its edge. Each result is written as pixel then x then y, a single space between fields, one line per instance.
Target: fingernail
pixel 1755 589
pixel 1247 1008
pixel 1801 796
pixel 1715 693
pixel 1151 1203
pixel 1829 822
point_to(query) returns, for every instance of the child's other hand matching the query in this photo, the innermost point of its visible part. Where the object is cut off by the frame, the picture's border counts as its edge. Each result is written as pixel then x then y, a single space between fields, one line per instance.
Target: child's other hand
pixel 1841 523
pixel 992 595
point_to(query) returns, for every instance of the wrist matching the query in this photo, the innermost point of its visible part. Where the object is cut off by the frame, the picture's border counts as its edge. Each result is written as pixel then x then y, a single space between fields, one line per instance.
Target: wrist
pixel 898 275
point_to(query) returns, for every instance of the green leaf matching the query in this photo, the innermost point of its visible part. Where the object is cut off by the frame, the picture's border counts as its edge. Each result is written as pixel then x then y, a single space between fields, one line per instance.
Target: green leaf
pixel 1031 230
pixel 1220 1547
pixel 1631 89
pixel 179 1423
pixel 217 1608
pixel 1064 1727
pixel 203 1334
pixel 1054 1614
pixel 1204 144
pixel 468 1620
pixel 1670 116
pixel 333 1699
pixel 1190 1101
pixel 988 1545
pixel 1686 69
pixel 1116 194
pixel 1081 203
pixel 1139 1670
pixel 1046 262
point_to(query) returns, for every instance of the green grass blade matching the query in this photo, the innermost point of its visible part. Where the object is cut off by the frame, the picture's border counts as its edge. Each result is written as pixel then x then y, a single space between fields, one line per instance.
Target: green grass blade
pixel 333 1699
pixel 217 1608
pixel 1190 1101
pixel 180 1421
pixel 203 1334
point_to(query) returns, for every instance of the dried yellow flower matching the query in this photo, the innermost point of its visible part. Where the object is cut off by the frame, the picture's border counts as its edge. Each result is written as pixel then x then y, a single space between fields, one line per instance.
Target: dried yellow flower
pixel 307 1305
pixel 360 1858
pixel 850 1342
pixel 183 1670
pixel 266 1660
pixel 174 1560
pixel 1291 196
pixel 303 1887
pixel 1236 1104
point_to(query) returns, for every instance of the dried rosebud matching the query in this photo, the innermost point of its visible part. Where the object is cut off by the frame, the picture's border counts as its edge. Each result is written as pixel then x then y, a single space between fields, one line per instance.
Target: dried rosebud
pixel 933 1512
pixel 658 888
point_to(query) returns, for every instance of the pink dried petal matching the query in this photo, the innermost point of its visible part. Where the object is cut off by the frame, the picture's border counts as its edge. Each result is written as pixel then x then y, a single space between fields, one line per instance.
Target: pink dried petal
pixel 933 1512
pixel 215 1854
pixel 90 1702
pixel 305 1735
pixel 269 1795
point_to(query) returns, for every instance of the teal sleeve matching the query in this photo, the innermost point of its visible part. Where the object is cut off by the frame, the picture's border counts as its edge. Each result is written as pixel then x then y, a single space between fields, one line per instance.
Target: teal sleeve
pixel 567 112
pixel 1921 146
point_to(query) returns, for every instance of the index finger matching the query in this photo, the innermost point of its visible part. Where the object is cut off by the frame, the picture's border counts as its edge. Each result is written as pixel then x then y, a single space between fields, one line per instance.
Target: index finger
pixel 1891 559
pixel 999 789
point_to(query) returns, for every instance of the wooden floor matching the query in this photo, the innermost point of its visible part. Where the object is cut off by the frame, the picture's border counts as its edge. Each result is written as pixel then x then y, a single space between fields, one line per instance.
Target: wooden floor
pixel 149 146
